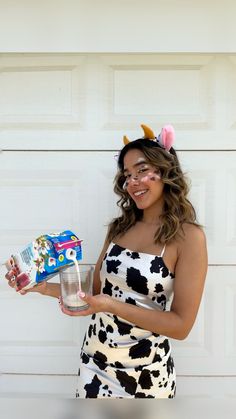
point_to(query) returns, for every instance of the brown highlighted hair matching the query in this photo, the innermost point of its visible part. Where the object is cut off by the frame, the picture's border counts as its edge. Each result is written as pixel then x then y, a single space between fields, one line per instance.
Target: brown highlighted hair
pixel 177 208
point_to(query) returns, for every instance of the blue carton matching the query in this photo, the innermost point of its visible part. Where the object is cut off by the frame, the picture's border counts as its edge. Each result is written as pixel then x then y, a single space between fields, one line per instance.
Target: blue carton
pixel 44 257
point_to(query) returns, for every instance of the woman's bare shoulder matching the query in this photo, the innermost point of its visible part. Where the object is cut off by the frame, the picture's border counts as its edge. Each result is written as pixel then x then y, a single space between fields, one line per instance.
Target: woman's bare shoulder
pixel 191 230
pixel 192 234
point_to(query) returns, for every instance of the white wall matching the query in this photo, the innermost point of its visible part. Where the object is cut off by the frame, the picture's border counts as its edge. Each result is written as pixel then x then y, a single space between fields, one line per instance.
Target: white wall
pixel 117 26
pixel 62 118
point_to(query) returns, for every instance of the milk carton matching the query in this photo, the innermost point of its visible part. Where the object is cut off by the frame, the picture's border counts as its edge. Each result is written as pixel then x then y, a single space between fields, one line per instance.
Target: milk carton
pixel 44 257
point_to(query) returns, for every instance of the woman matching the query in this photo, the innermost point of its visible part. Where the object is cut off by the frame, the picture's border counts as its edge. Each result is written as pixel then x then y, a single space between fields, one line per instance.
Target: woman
pixel 148 280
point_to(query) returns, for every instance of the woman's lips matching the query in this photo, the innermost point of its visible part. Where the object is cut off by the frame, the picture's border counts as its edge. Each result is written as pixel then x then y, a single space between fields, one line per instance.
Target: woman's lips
pixel 140 193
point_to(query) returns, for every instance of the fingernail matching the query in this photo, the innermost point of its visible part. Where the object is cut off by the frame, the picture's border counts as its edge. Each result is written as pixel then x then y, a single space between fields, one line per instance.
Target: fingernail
pixel 81 294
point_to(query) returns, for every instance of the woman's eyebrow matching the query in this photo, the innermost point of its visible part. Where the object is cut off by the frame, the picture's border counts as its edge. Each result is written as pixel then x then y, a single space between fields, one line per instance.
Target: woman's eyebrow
pixel 139 162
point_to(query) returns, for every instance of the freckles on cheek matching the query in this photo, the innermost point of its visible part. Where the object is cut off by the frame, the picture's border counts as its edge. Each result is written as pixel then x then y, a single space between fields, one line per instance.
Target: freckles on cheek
pixel 151 177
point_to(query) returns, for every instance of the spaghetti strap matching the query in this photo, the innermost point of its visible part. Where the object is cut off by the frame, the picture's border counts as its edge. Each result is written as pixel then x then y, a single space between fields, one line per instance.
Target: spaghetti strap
pixel 163 251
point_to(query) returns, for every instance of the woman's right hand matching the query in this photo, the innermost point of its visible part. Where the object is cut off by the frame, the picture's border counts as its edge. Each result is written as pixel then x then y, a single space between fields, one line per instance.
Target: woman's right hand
pixel 12 274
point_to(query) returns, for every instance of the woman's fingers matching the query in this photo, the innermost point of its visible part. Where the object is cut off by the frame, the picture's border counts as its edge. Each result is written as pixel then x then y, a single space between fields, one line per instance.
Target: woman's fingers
pixel 12 283
pixel 10 275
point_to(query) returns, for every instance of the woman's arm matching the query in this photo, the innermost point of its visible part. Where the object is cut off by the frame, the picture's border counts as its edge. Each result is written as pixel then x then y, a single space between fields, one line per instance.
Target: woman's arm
pixel 190 274
pixel 44 288
pixel 51 289
pixel 96 275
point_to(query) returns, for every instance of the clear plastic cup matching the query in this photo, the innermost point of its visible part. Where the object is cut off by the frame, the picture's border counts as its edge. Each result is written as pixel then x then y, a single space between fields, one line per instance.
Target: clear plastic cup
pixel 70 286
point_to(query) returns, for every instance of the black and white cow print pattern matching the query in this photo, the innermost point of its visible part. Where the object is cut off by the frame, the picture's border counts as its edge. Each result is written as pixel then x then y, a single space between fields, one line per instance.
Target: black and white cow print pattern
pixel 118 358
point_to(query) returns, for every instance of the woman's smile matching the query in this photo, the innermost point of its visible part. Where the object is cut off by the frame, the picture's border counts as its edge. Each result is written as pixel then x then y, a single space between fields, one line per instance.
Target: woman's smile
pixel 140 193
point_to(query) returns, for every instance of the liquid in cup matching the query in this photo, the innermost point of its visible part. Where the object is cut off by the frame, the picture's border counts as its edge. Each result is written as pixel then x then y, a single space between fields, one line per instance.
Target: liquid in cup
pixel 70 286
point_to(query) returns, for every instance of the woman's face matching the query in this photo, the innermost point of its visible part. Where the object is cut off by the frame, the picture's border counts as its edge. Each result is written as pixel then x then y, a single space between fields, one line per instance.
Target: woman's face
pixel 143 181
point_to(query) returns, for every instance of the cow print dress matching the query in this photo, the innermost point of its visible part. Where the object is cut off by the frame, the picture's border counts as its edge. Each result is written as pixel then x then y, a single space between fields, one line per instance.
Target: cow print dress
pixel 118 358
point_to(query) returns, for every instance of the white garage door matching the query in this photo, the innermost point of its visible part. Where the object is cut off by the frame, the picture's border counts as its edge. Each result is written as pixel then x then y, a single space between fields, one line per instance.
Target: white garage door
pixel 62 118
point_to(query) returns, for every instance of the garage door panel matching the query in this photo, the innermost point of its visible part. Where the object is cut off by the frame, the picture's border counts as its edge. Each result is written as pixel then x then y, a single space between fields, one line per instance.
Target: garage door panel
pixel 55 191
pixel 89 101
pixel 210 346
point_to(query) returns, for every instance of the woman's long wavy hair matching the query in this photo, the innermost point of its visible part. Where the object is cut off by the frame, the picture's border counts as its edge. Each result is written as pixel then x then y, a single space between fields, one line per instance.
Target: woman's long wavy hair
pixel 177 209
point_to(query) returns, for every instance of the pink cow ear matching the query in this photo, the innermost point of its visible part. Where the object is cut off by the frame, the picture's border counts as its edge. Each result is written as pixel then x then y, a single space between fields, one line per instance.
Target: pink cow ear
pixel 167 136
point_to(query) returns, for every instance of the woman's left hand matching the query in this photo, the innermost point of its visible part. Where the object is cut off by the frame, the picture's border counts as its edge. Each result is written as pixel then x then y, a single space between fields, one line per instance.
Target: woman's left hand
pixel 97 303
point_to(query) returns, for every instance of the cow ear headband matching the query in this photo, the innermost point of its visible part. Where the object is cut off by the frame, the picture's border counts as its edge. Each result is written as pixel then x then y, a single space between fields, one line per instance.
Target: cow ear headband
pixel 165 139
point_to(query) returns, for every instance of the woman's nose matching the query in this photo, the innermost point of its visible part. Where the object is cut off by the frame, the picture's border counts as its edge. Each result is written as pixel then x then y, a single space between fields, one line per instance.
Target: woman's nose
pixel 134 178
